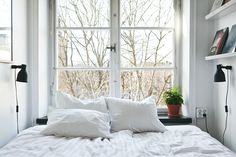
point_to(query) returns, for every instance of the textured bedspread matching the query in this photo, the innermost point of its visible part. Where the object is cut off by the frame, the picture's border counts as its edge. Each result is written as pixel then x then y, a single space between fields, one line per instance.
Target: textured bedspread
pixel 184 141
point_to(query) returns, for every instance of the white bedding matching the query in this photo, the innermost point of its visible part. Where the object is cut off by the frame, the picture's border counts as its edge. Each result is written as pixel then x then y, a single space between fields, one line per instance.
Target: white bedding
pixel 184 141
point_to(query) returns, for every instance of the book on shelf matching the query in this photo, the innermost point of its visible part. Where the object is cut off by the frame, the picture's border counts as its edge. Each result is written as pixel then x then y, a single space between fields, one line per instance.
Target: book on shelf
pixel 230 44
pixel 225 1
pixel 217 4
pixel 219 41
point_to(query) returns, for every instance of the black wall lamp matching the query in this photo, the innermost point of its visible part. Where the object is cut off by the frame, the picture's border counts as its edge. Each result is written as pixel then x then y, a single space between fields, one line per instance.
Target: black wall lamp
pixel 21 77
pixel 220 77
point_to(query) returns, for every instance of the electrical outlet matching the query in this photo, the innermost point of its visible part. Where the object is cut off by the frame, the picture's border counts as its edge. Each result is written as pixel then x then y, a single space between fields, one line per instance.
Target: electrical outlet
pixel 200 111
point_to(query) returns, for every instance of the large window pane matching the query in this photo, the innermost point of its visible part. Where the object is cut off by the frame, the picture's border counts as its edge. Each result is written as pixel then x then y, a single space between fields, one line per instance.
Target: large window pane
pixel 139 84
pixel 5 13
pixel 147 13
pixel 5 44
pixel 83 48
pixel 147 48
pixel 84 84
pixel 146 43
pixel 83 13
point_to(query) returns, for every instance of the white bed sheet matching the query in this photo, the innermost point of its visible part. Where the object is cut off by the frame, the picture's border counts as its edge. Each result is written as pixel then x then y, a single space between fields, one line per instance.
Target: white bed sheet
pixel 184 141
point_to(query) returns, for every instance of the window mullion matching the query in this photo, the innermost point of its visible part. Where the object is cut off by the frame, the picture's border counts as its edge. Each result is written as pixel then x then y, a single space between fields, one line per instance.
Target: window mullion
pixel 5 28
pixel 83 28
pixel 78 68
pixel 148 28
pixel 115 55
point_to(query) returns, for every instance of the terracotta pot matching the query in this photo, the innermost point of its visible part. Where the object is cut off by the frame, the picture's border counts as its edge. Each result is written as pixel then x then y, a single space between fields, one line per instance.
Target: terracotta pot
pixel 174 110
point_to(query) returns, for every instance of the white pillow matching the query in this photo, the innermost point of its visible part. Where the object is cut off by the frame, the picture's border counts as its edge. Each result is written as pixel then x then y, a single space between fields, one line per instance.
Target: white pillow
pixel 66 101
pixel 77 123
pixel 135 116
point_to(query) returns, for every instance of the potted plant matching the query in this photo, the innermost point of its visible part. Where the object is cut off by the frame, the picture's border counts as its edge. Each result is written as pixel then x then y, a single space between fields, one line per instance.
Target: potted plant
pixel 173 99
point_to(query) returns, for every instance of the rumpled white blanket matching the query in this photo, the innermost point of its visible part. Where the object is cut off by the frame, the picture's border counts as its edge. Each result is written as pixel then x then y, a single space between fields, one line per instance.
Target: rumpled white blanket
pixel 184 141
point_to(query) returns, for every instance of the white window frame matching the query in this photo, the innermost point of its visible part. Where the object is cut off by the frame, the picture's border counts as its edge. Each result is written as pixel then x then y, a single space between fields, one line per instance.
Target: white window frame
pixel 115 67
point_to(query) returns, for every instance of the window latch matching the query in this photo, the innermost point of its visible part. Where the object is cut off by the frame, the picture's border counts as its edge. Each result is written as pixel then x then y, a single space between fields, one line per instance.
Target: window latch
pixel 112 48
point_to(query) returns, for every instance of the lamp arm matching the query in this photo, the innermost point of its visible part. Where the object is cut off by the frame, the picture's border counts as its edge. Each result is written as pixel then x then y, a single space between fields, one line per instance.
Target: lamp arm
pixel 228 67
pixel 18 66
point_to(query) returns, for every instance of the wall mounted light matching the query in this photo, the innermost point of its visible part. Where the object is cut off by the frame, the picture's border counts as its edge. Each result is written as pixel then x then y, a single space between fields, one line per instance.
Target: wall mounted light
pixel 220 77
pixel 21 77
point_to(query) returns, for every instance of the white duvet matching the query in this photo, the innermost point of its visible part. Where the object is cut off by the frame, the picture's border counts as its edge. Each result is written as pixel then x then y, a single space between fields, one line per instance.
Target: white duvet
pixel 184 141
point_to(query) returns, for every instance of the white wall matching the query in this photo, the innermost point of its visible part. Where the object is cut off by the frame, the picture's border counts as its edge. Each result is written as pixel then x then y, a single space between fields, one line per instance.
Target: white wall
pixel 203 70
pixel 195 70
pixel 7 97
pixel 30 46
pixel 187 56
pixel 39 58
pixel 219 90
pixel 203 92
pixel 44 55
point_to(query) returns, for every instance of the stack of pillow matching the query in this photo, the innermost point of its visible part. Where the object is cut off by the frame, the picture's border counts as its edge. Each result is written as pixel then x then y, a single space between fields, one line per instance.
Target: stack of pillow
pixel 99 117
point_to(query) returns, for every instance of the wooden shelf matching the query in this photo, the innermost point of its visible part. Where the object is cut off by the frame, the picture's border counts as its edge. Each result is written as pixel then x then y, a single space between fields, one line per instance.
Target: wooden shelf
pixel 222 11
pixel 220 56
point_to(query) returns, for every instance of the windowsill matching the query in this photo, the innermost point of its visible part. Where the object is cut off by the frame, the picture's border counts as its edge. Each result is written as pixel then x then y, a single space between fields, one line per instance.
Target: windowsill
pixel 182 120
pixel 164 118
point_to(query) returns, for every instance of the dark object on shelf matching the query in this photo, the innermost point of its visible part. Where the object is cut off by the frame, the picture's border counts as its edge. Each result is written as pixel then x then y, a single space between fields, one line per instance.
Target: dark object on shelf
pixel 231 41
pixel 225 1
pixel 219 41
pixel 42 120
pixel 220 75
pixel 216 4
pixel 182 120
pixel 21 77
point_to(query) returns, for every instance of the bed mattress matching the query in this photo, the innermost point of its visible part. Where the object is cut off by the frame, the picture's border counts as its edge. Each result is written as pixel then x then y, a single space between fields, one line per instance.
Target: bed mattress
pixel 179 141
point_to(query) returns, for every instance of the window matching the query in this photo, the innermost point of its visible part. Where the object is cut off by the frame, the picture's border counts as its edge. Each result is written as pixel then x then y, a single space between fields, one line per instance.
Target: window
pixel 142 59
pixel 5 31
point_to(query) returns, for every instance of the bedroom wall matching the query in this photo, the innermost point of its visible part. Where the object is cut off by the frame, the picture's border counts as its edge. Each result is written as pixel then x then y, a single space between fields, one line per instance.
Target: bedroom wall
pixel 7 97
pixel 39 58
pixel 203 70
pixel 43 51
pixel 196 81
pixel 207 93
pixel 219 90
pixel 187 56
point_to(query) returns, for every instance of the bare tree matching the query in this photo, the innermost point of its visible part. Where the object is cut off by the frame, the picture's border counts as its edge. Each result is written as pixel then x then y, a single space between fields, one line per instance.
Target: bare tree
pixel 139 48
pixel 142 52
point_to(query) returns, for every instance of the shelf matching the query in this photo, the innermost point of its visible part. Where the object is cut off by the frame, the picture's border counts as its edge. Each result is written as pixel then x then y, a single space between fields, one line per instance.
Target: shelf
pixel 164 119
pixel 220 56
pixel 222 11
pixel 182 120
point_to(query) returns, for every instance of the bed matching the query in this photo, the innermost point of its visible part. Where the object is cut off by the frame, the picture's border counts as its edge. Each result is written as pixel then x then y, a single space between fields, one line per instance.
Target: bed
pixel 179 141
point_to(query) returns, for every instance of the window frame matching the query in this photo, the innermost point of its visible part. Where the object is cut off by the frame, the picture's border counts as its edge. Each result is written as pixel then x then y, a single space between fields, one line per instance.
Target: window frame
pixel 115 72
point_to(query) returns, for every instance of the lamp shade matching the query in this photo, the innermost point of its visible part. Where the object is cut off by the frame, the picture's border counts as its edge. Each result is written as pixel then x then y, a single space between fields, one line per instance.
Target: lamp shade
pixel 219 75
pixel 22 74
